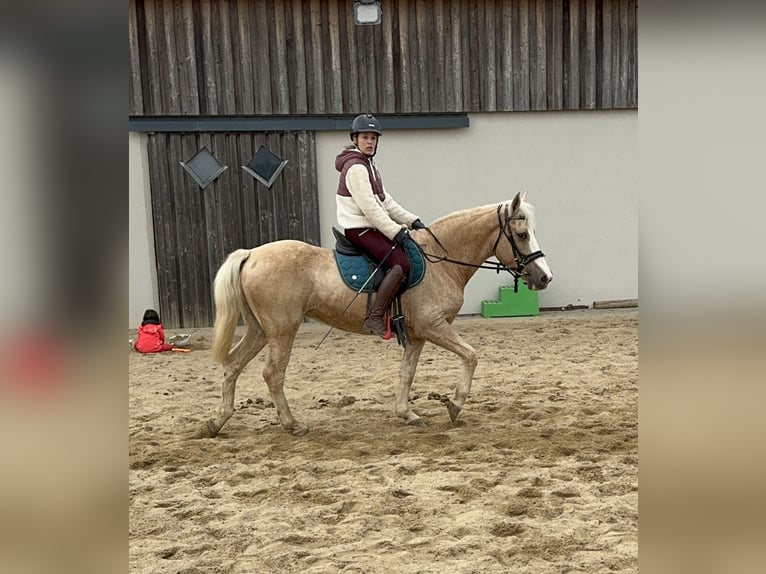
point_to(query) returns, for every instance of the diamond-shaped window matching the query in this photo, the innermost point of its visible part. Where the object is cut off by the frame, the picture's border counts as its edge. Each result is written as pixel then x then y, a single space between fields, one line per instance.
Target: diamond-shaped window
pixel 204 167
pixel 265 166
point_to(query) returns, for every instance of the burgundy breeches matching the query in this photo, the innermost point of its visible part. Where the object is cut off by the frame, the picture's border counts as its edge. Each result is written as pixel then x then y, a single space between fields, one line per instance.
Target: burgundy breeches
pixel 377 246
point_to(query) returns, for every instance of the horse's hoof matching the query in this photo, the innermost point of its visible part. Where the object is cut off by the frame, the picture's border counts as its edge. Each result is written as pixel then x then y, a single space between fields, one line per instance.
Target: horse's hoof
pixel 204 430
pixel 299 429
pixel 453 411
pixel 212 429
pixel 416 422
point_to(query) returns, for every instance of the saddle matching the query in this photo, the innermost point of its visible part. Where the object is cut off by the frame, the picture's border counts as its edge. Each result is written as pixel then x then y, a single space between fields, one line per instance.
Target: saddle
pixel 355 266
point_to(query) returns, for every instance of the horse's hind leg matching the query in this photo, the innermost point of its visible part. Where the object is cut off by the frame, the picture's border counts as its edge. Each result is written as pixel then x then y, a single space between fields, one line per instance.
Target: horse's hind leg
pixel 407 374
pixel 241 354
pixel 280 348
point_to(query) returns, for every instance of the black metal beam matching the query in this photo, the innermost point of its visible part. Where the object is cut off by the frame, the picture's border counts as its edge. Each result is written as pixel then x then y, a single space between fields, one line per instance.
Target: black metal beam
pixel 289 123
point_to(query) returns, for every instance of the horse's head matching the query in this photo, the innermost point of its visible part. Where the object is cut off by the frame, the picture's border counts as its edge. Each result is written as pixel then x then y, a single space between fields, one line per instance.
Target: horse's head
pixel 521 251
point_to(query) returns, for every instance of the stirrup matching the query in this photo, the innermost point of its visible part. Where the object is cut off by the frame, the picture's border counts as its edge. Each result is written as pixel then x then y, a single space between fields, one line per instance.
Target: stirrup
pixel 387 336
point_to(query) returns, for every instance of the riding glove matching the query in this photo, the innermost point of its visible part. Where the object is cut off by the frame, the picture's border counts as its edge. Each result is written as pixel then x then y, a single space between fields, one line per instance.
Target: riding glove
pixel 417 224
pixel 402 236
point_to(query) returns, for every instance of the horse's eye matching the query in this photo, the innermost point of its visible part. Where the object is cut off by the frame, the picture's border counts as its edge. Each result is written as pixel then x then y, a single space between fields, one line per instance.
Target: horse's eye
pixel 523 236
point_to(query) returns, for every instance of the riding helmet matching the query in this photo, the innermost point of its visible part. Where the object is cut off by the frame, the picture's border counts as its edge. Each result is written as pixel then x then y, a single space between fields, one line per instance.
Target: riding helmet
pixel 365 123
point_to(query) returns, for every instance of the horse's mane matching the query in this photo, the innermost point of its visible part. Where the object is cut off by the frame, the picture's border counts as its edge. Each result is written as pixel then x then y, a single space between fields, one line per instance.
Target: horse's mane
pixel 467 214
pixel 463 214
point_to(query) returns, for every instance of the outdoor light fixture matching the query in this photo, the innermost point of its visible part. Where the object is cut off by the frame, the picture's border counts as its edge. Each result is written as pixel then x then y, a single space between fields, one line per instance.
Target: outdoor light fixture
pixel 367 12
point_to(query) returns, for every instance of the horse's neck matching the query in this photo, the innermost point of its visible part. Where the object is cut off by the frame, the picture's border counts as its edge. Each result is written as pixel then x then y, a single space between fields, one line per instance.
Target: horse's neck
pixel 468 236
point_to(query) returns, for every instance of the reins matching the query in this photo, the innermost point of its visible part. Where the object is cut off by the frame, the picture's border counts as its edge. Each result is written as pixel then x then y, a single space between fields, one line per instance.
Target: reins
pixel 431 258
pixel 504 229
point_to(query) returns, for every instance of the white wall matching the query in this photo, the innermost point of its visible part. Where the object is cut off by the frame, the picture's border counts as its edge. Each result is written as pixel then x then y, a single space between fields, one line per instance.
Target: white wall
pixel 143 275
pixel 578 167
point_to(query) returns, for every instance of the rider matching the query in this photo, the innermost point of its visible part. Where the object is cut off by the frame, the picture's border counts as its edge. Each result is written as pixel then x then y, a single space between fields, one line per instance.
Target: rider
pixel 370 217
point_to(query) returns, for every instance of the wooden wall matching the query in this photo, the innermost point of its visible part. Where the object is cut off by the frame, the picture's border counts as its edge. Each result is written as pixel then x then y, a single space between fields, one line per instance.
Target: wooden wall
pixel 241 57
pixel 192 58
pixel 195 229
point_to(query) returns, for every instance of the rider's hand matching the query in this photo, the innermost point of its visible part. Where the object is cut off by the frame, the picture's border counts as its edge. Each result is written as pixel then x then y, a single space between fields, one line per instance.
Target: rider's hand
pixel 402 236
pixel 417 224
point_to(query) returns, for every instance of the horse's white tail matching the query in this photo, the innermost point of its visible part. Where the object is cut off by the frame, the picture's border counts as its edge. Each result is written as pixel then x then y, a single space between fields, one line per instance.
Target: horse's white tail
pixel 230 302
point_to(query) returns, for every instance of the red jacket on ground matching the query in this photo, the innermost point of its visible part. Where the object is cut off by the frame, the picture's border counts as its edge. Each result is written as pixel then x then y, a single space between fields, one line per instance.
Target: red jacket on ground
pixel 151 339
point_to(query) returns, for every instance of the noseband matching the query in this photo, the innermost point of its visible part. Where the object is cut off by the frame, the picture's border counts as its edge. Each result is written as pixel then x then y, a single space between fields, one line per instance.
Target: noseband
pixel 504 219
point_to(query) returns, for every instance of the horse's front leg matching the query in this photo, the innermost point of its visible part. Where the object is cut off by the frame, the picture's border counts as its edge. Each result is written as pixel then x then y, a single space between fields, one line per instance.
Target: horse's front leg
pixel 447 338
pixel 407 374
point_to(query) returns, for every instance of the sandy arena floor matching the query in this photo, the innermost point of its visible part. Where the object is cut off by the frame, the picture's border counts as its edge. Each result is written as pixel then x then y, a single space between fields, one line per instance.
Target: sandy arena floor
pixel 539 475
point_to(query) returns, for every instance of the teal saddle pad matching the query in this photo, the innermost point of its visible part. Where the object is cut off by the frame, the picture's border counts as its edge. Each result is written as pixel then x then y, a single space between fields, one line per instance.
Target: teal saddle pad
pixel 355 269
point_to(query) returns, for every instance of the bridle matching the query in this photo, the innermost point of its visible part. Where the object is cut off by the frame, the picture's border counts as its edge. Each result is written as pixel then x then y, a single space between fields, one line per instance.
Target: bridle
pixel 504 218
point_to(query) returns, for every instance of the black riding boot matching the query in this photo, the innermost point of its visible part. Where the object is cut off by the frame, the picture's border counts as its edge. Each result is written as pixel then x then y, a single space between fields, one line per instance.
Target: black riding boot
pixel 375 321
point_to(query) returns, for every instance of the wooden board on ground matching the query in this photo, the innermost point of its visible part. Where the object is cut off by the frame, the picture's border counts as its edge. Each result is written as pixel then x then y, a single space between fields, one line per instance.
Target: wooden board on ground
pixel 615 304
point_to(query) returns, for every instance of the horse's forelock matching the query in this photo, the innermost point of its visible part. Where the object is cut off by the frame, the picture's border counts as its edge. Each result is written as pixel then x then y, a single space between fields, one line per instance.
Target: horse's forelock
pixel 528 210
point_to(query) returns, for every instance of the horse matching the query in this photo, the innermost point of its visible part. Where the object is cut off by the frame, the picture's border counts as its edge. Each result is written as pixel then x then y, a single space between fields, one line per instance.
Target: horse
pixel 273 287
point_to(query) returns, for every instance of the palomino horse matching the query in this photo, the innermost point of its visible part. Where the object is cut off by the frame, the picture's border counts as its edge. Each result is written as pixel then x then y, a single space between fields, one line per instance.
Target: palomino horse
pixel 274 286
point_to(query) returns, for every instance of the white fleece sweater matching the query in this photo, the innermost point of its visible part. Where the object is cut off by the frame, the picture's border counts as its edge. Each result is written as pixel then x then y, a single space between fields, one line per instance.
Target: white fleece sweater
pixel 363 207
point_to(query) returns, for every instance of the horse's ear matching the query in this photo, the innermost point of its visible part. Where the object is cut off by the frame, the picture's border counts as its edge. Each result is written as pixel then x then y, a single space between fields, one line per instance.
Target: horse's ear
pixel 524 196
pixel 516 202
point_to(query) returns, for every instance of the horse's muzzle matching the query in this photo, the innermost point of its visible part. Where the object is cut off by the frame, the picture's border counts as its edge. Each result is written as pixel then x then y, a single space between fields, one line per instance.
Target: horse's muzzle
pixel 537 282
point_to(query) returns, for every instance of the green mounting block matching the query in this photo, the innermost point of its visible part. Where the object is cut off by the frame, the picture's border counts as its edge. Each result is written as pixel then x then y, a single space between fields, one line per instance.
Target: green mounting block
pixel 512 304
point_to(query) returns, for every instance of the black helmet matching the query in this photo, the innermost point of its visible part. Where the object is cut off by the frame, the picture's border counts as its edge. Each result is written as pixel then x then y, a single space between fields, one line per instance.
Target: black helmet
pixel 365 123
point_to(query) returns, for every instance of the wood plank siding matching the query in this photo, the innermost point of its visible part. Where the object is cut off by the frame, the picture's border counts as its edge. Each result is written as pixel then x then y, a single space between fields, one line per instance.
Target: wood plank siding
pixel 239 57
pixel 234 60
pixel 195 229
